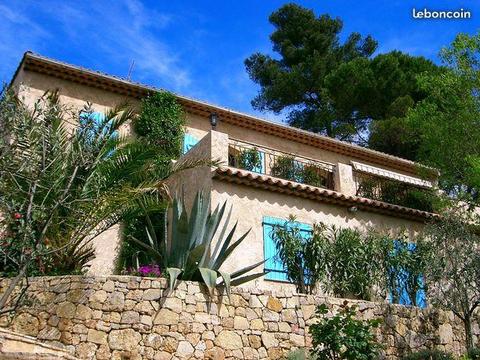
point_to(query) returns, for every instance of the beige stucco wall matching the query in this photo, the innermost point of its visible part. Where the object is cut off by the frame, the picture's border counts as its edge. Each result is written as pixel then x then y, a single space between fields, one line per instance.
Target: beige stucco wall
pixel 250 204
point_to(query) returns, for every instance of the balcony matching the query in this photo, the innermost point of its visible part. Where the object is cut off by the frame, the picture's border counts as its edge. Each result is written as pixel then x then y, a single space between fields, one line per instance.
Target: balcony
pixel 353 185
pixel 265 161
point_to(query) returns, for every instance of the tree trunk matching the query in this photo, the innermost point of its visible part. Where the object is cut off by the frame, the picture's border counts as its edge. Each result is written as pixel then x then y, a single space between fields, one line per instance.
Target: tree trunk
pixel 468 332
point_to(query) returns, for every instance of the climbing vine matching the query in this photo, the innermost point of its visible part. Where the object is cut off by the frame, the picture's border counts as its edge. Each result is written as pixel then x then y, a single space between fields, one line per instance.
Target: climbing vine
pixel 160 122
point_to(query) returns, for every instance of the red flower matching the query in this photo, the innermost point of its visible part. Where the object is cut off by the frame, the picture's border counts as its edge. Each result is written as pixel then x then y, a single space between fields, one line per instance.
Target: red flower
pixel 17 216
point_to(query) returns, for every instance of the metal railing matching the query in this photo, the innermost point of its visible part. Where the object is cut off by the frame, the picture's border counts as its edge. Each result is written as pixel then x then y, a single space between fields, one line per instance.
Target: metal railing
pixel 280 164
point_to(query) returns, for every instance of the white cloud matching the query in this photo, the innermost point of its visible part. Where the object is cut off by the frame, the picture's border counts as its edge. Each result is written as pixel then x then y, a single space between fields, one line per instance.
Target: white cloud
pixel 121 31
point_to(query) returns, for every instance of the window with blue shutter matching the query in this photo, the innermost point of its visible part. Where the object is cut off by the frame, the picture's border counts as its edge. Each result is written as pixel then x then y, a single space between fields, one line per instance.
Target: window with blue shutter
pixel 401 276
pixel 189 142
pixel 273 264
pixel 92 121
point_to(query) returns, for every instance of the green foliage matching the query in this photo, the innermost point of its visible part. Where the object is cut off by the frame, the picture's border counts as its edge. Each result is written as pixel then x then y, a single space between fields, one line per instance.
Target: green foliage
pixel 159 125
pixel 342 336
pixel 473 354
pixel 398 193
pixel 310 50
pixel 250 159
pixel 302 257
pixel 402 266
pixel 61 188
pixel 331 255
pixel 346 252
pixel 285 167
pixel 190 254
pixel 429 355
pixel 455 268
pixel 297 354
pixel 448 119
pixel 161 122
pixel 334 88
pixel 312 175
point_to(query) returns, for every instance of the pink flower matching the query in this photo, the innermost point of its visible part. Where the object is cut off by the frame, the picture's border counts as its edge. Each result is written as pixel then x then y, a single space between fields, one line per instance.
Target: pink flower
pixel 17 216
pixel 149 270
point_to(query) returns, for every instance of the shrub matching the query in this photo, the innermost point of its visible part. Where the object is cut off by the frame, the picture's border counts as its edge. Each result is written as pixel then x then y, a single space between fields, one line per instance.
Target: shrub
pixel 297 354
pixel 347 251
pixel 342 336
pixel 160 122
pixel 285 167
pixel 302 257
pixel 473 354
pixel 429 355
pixel 250 159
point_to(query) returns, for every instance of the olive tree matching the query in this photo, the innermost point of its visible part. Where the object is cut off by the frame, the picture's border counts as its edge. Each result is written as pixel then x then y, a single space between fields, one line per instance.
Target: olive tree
pixel 454 271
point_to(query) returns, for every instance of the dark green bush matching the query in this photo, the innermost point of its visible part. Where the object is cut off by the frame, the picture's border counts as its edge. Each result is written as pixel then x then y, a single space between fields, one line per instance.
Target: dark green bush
pixel 342 336
pixel 285 168
pixel 429 355
pixel 297 354
pixel 250 160
pixel 161 122
pixel 473 354
pixel 398 193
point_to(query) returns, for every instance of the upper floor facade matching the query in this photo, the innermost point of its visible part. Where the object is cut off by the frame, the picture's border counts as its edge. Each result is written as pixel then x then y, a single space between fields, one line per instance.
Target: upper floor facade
pixel 254 145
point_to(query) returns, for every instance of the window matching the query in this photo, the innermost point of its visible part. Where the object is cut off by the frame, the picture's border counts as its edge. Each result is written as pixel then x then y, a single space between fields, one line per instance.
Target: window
pixel 189 142
pixel 94 128
pixel 273 264
pixel 401 278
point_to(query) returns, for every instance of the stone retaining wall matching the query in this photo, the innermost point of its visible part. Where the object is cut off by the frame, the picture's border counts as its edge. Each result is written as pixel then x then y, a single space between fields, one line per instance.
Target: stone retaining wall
pixel 125 317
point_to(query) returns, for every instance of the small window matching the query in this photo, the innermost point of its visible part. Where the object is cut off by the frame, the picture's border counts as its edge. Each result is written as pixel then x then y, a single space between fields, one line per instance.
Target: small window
pixel 189 142
pixel 273 264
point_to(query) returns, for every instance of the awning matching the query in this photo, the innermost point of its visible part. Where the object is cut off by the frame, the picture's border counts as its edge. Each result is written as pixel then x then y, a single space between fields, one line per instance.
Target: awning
pixel 368 169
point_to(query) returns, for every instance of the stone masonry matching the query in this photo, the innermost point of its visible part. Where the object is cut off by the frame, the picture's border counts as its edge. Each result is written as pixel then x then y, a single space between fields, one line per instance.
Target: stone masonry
pixel 126 317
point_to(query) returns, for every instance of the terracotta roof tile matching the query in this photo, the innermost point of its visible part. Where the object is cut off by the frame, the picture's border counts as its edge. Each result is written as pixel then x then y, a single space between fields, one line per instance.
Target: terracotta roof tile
pixel 293 188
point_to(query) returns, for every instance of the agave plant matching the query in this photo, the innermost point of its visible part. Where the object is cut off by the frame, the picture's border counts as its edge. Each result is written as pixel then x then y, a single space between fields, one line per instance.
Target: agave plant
pixel 190 254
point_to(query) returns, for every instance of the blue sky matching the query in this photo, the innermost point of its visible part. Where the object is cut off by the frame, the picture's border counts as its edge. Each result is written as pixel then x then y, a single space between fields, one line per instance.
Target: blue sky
pixel 197 48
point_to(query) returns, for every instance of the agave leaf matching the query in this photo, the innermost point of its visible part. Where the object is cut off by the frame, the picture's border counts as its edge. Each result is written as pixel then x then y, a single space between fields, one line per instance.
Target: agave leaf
pixel 220 238
pixel 225 254
pixel 225 244
pixel 226 280
pixel 209 278
pixel 153 251
pixel 246 269
pixel 192 262
pixel 173 274
pixel 212 226
pixel 247 278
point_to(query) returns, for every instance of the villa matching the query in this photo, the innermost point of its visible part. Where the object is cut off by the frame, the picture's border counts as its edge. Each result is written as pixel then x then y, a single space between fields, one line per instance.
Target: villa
pixel 288 172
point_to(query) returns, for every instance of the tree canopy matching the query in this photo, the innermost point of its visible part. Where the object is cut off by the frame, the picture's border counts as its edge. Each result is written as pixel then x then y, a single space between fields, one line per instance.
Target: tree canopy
pixel 334 88
pixel 448 119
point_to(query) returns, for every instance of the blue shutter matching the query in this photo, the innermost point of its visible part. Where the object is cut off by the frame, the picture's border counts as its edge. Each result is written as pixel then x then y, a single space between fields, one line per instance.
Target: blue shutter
pixel 273 264
pixel 404 298
pixel 260 169
pixel 189 142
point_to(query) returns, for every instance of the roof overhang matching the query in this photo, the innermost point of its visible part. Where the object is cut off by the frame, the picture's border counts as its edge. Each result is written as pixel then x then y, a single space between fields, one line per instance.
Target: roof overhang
pixel 274 184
